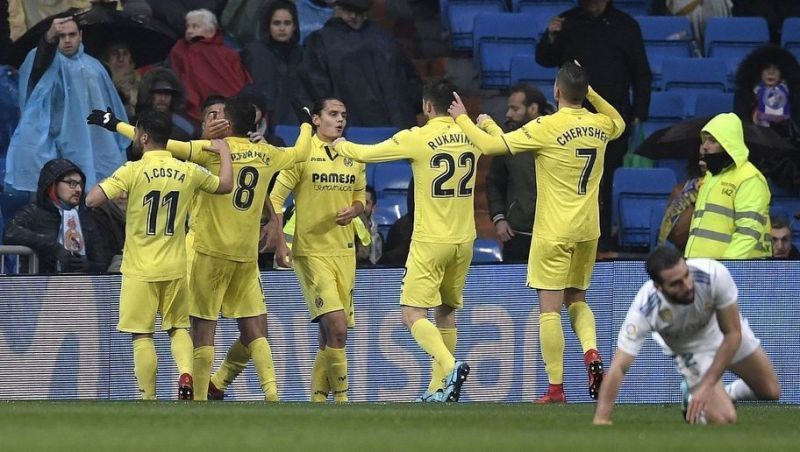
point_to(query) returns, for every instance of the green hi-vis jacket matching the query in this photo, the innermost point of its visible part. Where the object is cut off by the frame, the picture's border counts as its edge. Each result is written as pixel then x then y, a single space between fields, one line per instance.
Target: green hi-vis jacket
pixel 731 216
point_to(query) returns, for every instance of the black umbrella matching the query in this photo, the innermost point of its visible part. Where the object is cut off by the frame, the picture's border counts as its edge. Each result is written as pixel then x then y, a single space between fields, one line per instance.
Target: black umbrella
pixel 149 40
pixel 683 140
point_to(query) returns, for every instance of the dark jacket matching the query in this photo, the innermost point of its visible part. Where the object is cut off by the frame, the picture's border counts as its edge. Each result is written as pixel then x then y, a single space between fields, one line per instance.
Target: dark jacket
pixel 183 129
pixel 275 68
pixel 611 49
pixel 511 190
pixel 37 224
pixel 367 70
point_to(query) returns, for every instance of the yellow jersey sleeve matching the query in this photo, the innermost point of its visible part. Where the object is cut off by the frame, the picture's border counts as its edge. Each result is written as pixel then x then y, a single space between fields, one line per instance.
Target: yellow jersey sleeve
pixel 118 182
pixel 616 126
pixel 284 185
pixel 491 127
pixel 203 178
pixel 529 137
pixel 400 146
pixel 487 144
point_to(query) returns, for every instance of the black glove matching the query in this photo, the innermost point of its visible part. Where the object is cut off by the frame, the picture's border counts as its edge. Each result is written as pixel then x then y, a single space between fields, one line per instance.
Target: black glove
pixel 70 262
pixel 104 119
pixel 302 112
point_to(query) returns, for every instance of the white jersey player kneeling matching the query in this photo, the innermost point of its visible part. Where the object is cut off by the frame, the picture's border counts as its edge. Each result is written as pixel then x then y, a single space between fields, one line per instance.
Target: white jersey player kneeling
pixel 691 308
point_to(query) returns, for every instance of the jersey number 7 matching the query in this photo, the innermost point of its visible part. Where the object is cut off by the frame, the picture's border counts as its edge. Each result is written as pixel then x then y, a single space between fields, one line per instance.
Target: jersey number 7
pixel 590 154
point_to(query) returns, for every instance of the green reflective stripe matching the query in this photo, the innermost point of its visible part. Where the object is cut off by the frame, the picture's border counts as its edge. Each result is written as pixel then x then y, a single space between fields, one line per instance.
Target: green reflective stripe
pixel 751 215
pixel 722 210
pixel 699 213
pixel 711 235
pixel 749 232
pixel 760 247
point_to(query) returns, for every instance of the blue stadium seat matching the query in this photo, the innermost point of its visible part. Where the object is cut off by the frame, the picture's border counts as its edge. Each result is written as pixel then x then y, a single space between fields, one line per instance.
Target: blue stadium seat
pixel 710 104
pixel 633 7
pixel 526 5
pixel 677 166
pixel 784 200
pixel 287 133
pixel 690 76
pixel 484 251
pixel 666 109
pixel 371 174
pixel 526 69
pixel 637 193
pixel 389 209
pixel 392 178
pixel 540 13
pixel 497 38
pixel 461 17
pixel 656 217
pixel 732 38
pixel 665 37
pixel 369 135
pixel 790 35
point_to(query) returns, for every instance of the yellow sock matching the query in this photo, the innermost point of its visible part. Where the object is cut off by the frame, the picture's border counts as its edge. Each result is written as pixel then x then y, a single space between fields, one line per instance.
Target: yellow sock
pixel 551 337
pixel 262 360
pixel 319 377
pixel 203 361
pixel 234 363
pixel 337 372
pixel 181 345
pixel 450 337
pixel 145 366
pixel 429 338
pixel 582 319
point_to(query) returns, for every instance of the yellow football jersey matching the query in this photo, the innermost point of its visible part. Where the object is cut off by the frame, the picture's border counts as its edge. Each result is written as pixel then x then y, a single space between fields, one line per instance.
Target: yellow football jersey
pixel 323 185
pixel 160 188
pixel 228 226
pixel 443 162
pixel 570 148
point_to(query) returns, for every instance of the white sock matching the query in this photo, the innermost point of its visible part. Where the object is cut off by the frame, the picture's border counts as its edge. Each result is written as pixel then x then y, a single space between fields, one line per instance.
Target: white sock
pixel 738 390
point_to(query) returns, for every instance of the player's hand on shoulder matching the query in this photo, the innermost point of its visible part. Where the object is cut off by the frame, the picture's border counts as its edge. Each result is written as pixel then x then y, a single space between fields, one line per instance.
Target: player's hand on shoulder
pixel 256 137
pixel 218 146
pixel 338 140
pixel 481 118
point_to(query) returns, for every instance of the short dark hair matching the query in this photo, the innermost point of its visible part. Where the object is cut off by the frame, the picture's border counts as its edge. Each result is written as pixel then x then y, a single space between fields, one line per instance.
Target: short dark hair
pixel 371 190
pixel 779 221
pixel 319 104
pixel 241 114
pixel 533 95
pixel 439 92
pixel 157 124
pixel 660 259
pixel 573 82
pixel 212 99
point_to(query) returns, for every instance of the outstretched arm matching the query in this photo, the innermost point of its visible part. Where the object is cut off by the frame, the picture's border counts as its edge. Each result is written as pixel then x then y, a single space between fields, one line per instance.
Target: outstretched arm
pixel 610 387
pixel 488 144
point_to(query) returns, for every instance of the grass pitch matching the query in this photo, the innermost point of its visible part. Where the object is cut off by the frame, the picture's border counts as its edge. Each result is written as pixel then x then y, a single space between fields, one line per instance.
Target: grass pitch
pixel 228 426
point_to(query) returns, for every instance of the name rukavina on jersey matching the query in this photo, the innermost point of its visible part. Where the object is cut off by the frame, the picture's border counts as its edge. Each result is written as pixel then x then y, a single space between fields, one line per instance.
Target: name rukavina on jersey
pixel 250 154
pixel 450 138
pixel 169 173
pixel 583 131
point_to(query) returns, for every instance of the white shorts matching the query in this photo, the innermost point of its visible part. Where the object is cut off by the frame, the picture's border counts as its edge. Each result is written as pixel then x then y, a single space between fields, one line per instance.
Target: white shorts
pixel 693 366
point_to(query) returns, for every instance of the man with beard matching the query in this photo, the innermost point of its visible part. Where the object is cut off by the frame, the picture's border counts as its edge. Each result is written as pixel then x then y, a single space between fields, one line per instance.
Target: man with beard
pixel 731 215
pixel 511 182
pixel 691 308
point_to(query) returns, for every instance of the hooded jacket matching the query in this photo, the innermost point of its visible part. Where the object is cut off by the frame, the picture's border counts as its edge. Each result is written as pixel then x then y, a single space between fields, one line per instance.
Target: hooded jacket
pixel 731 216
pixel 275 68
pixel 37 224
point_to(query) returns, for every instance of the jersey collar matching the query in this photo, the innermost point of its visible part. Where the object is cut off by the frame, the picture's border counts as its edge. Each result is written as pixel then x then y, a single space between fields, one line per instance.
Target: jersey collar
pixel 156 154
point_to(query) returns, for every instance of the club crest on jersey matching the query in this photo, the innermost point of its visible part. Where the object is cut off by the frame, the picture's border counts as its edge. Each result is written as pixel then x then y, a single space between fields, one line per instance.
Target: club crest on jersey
pixel 665 315
pixel 348 162
pixel 318 302
pixel 630 331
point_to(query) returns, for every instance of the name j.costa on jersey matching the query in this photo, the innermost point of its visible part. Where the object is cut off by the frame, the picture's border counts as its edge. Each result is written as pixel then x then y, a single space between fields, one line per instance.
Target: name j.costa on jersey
pixel 333 181
pixel 168 173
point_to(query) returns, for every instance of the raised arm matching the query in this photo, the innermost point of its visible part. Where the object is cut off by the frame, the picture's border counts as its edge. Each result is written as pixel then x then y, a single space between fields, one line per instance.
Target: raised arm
pixel 488 144
pixel 225 166
pixel 96 197
pixel 109 121
pixel 603 107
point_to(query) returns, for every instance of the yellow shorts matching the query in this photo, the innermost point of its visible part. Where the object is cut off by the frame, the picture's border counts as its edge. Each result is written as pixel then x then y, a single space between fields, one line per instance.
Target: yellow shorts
pixel 189 255
pixel 328 283
pixel 436 274
pixel 139 301
pixel 559 265
pixel 221 285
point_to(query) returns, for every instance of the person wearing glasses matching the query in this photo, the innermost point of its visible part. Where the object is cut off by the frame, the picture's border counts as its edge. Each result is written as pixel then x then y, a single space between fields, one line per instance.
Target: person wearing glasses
pixel 58 226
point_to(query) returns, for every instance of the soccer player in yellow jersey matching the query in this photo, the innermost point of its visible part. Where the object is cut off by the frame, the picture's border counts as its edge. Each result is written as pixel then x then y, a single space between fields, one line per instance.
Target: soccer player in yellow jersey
pixel 443 162
pixel 159 189
pixel 225 276
pixel 569 146
pixel 329 192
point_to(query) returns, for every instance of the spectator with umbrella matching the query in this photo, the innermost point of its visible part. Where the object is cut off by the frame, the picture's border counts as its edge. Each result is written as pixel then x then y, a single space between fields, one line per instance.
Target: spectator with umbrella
pixel 59 86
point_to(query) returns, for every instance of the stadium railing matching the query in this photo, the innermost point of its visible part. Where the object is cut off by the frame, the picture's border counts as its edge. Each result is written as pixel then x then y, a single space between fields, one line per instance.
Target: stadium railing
pixel 13 264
